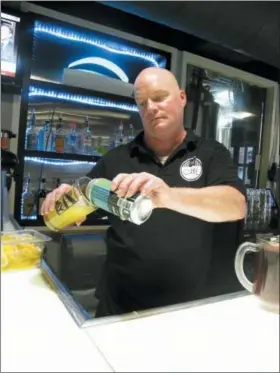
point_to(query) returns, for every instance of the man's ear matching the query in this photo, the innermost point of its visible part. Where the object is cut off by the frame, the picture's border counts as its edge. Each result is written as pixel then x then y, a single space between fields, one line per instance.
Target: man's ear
pixel 183 97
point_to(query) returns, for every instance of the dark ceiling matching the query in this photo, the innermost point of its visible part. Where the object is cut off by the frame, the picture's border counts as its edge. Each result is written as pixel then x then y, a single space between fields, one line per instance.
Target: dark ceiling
pixel 252 28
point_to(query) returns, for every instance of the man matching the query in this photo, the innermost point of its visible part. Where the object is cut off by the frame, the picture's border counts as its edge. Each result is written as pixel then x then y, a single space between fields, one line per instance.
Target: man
pixel 192 183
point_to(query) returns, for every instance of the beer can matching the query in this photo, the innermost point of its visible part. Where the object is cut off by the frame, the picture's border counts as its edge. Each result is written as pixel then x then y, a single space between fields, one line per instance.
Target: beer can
pixel 136 209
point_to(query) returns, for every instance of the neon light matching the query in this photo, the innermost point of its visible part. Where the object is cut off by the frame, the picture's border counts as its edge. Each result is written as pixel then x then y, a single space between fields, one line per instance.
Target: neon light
pixel 74 36
pixel 104 63
pixel 92 101
pixel 31 217
pixel 59 162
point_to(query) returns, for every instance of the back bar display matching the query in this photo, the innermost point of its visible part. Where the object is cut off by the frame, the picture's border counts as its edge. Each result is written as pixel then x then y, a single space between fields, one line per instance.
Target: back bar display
pixel 90 124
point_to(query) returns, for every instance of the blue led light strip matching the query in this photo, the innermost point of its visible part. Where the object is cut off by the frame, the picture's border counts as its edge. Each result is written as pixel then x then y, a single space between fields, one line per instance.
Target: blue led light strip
pixel 58 163
pixel 74 36
pixel 93 101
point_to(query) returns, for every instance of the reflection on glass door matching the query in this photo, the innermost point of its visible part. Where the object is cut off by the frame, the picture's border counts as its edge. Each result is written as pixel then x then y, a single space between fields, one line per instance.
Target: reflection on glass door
pixel 230 111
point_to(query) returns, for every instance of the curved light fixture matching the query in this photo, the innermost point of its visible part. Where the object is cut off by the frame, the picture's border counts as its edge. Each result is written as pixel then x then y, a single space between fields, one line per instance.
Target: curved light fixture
pixel 104 63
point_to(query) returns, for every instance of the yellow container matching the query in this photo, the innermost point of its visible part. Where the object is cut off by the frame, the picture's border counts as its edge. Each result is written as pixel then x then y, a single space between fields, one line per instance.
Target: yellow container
pixel 71 207
pixel 21 249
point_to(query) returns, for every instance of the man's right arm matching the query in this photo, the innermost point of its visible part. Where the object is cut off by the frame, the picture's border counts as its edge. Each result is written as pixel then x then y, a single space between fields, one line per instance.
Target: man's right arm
pixel 98 170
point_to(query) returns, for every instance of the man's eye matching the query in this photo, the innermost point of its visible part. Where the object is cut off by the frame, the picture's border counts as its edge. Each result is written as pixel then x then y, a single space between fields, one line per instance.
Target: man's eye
pixel 159 98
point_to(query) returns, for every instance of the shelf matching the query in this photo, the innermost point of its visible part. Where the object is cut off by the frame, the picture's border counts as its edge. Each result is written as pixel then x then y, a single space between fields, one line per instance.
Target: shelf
pixel 64 156
pixel 39 222
pixel 80 91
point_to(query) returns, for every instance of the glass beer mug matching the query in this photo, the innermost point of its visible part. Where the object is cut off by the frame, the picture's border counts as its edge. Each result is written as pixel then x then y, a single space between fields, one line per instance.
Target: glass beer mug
pixel 266 278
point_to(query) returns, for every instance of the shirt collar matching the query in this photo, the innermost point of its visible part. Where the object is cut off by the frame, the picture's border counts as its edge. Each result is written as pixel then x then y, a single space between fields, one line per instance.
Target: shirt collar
pixel 189 143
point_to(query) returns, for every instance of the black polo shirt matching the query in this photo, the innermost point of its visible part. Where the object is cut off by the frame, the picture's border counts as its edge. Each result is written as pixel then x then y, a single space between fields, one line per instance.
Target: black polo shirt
pixel 166 259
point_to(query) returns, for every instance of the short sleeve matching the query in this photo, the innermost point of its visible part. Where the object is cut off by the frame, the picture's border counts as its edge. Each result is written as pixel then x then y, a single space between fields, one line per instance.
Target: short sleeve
pixel 98 170
pixel 222 170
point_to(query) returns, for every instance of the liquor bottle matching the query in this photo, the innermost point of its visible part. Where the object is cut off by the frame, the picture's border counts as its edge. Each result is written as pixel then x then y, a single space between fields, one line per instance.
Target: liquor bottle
pixel 119 139
pixel 41 194
pixel 86 138
pixel 31 139
pixel 46 137
pixel 59 138
pixel 55 184
pixel 130 135
pixel 72 140
pixel 28 206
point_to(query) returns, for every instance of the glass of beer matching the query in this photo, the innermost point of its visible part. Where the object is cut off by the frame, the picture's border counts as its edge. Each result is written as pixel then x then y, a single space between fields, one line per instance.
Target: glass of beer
pixel 71 207
pixel 266 275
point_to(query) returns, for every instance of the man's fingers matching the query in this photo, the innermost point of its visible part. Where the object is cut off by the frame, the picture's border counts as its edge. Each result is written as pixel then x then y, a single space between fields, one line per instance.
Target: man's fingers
pixel 124 184
pixel 117 180
pixel 49 203
pixel 136 185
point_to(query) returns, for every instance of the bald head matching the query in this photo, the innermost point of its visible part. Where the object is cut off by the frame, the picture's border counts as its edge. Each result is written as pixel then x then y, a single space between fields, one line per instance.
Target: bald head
pixel 160 101
pixel 154 75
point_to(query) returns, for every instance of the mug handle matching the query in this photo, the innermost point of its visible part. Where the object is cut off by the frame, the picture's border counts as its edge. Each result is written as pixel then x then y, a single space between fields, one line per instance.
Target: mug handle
pixel 239 263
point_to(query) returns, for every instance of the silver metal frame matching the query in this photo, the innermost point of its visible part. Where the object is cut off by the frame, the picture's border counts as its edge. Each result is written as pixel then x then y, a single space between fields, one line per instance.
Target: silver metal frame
pixel 269 123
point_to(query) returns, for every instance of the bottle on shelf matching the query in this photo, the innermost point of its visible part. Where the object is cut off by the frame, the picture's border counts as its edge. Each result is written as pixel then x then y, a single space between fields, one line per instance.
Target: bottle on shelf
pixel 131 134
pixel 58 182
pixel 41 194
pixel 119 138
pixel 46 137
pixel 59 137
pixel 55 183
pixel 28 206
pixel 31 139
pixel 99 148
pixel 86 139
pixel 72 139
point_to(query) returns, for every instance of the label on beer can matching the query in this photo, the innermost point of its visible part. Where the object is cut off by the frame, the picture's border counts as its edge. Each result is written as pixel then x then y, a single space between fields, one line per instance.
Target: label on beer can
pixel 136 209
pixel 107 200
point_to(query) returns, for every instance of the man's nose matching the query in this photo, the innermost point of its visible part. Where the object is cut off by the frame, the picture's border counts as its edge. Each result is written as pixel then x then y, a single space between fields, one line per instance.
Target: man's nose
pixel 151 106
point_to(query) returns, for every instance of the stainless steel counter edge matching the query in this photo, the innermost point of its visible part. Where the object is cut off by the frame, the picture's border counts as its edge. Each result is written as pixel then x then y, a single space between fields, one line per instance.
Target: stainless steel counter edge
pixel 75 310
pixel 84 319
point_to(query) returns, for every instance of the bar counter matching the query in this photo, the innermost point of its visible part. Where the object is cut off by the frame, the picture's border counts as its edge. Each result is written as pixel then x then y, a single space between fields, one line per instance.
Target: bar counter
pixel 40 333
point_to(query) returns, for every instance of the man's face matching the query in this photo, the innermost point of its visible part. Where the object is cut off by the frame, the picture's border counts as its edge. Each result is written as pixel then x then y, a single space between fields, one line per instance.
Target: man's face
pixel 161 104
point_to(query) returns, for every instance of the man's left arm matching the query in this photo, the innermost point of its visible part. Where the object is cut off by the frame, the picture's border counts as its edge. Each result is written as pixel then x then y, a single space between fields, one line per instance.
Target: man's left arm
pixel 223 199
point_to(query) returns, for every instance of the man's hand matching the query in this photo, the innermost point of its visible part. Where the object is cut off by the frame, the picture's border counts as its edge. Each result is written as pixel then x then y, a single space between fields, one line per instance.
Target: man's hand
pixel 49 202
pixel 126 185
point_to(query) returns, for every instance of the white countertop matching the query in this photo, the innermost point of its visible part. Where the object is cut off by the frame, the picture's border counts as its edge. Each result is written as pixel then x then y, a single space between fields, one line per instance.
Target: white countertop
pixel 229 336
pixel 39 334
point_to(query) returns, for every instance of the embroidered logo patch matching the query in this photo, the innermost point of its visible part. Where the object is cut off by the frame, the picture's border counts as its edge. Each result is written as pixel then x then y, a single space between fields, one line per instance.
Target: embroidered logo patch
pixel 191 169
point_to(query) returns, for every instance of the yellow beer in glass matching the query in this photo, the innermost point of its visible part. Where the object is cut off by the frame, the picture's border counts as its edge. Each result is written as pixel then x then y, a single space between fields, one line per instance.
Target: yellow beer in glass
pixel 71 207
